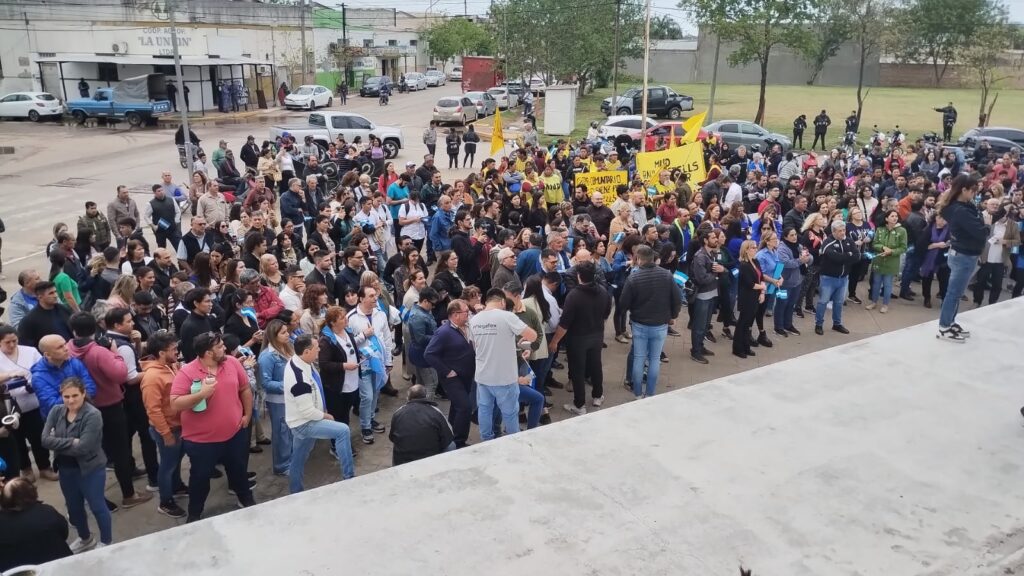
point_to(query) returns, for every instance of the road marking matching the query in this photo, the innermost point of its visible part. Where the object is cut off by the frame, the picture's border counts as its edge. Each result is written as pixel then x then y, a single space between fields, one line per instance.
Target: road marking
pixel 25 257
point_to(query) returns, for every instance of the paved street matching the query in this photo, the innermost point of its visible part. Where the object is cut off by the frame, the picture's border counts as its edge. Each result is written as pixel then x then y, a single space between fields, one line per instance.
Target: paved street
pixel 57 168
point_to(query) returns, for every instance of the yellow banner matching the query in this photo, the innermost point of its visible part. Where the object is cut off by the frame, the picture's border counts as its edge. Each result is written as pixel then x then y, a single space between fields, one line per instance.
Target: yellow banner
pixel 689 158
pixel 603 182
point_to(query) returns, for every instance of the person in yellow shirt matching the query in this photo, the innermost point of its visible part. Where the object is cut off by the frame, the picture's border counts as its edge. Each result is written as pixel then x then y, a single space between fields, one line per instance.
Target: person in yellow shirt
pixel 530 175
pixel 521 160
pixel 663 186
pixel 552 182
pixel 612 163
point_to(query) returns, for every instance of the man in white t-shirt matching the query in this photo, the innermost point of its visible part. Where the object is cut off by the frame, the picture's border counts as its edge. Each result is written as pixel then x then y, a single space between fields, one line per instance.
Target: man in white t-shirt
pixel 495 334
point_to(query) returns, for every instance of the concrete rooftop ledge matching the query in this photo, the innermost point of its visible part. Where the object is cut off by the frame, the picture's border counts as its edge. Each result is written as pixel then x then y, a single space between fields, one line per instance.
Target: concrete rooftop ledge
pixel 895 456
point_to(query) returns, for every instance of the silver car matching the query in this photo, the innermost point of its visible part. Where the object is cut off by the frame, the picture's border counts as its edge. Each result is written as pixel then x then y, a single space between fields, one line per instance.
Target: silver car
pixel 746 133
pixel 504 98
pixel 415 81
pixel 485 103
pixel 458 109
pixel 436 78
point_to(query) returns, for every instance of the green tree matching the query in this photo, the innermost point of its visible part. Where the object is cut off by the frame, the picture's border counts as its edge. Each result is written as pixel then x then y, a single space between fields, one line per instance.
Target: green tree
pixel 563 41
pixel 990 61
pixel 455 37
pixel 665 27
pixel 757 27
pixel 872 24
pixel 832 25
pixel 940 32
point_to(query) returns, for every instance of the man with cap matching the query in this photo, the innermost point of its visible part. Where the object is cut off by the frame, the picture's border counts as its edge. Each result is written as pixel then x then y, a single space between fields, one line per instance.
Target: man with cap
pixel 415 184
pixel 250 153
pixel 218 153
pixel 506 271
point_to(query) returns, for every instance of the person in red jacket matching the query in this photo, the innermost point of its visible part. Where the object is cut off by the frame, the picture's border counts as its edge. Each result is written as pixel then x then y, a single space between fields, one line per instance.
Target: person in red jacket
pixel 110 372
pixel 267 303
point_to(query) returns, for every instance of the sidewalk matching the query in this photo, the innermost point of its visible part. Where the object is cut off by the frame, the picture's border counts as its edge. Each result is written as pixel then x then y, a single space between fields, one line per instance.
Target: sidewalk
pixel 223 118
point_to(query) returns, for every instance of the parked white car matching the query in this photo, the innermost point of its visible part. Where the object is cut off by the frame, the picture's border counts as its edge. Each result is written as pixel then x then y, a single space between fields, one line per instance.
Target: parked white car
pixel 537 86
pixel 456 73
pixel 32 105
pixel 628 125
pixel 504 98
pixel 310 97
pixel 436 78
pixel 415 81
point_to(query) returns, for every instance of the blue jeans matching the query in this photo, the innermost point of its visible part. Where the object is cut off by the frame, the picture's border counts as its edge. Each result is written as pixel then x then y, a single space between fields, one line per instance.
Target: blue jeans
pixel 169 475
pixel 883 282
pixel 280 439
pixel 304 438
pixel 534 402
pixel 648 342
pixel 698 324
pixel 368 397
pixel 784 309
pixel 911 271
pixel 506 398
pixel 961 266
pixel 79 489
pixel 832 289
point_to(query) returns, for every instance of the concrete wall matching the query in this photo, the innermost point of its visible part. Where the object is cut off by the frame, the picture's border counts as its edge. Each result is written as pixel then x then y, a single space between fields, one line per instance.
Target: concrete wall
pixel 894 455
pixel 785 67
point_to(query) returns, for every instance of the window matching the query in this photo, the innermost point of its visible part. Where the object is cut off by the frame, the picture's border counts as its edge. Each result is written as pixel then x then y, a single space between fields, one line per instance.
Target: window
pixel 317 120
pixel 358 123
pixel 392 42
pixel 11 98
pixel 728 128
pixel 107 72
pixel 368 43
pixel 750 129
pixel 340 122
pixel 416 43
pixel 657 93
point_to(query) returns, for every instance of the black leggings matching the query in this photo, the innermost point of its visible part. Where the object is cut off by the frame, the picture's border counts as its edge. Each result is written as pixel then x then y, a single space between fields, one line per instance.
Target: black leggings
pixel 1018 279
pixel 857 273
pixel 926 283
pixel 453 160
pixel 30 432
pixel 990 275
pixel 469 159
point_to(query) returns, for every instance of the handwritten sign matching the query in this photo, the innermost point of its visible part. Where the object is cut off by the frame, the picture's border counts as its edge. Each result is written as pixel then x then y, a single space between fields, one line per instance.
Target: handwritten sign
pixel 688 158
pixel 603 182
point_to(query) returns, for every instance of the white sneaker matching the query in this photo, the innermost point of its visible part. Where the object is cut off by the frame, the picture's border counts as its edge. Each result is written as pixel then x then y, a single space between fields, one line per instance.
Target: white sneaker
pixel 869 306
pixel 951 335
pixel 883 309
pixel 582 411
pixel 598 401
pixel 78 545
pixel 101 545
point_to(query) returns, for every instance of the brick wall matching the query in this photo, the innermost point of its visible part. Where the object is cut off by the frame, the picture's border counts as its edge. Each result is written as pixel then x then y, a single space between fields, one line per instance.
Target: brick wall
pixel 923 76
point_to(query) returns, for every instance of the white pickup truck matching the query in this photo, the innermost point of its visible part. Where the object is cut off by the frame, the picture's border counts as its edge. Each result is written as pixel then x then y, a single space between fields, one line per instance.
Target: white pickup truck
pixel 325 127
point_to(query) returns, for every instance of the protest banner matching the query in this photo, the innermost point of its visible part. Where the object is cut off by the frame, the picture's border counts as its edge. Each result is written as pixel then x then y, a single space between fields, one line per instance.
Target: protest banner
pixel 689 158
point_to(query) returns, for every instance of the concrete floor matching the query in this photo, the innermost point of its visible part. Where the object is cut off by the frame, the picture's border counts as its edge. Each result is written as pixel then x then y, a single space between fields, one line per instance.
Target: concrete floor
pixel 98 159
pixel 897 454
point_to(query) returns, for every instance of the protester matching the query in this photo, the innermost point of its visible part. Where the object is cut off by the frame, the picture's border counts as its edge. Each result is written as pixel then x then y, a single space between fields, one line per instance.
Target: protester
pixel 31 532
pixel 419 429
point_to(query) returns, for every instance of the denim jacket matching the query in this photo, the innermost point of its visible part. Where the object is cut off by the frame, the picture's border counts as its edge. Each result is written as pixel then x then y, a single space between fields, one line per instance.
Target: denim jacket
pixel 272 366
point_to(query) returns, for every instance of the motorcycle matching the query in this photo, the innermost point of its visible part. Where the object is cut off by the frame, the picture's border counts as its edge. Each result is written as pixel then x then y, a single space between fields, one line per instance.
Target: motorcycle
pixel 183 159
pixel 850 143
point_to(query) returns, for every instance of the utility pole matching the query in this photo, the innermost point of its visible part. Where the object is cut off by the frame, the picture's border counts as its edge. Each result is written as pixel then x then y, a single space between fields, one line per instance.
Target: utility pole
pixel 181 88
pixel 647 62
pixel 615 66
pixel 344 43
pixel 302 28
pixel 714 80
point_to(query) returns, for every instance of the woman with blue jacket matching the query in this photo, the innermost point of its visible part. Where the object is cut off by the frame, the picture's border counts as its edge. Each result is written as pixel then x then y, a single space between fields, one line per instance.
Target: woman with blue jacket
pixel 277 350
pixel 794 258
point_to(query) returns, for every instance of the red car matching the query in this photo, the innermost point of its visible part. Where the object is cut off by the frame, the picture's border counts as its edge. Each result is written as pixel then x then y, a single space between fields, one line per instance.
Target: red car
pixel 663 130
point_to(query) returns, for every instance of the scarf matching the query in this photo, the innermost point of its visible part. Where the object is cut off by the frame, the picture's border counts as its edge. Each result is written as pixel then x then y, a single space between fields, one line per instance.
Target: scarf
pixel 931 259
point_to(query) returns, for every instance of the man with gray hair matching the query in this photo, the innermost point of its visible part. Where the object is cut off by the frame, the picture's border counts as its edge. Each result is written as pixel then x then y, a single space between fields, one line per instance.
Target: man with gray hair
pixel 838 255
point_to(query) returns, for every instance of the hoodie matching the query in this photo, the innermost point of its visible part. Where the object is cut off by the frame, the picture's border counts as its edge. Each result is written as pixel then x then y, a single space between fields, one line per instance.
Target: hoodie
pixel 107 368
pixel 157 378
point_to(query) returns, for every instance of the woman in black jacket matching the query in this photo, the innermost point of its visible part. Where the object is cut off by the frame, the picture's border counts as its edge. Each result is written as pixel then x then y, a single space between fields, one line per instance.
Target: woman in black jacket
pixel 750 298
pixel 447 282
pixel 452 144
pixel 339 365
pixel 470 139
pixel 968 234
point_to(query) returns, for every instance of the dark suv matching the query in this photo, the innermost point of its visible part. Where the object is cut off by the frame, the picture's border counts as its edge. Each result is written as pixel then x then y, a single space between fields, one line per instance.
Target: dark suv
pixel 1001 139
pixel 373 84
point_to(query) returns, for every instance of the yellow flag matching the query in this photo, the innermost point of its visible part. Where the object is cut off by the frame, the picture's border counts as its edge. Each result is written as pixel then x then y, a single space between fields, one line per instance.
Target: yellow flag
pixel 497 137
pixel 671 138
pixel 692 126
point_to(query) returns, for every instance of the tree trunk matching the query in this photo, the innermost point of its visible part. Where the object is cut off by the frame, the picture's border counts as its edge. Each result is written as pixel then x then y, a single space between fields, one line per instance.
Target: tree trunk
pixel 759 117
pixel 860 82
pixel 991 105
pixel 984 101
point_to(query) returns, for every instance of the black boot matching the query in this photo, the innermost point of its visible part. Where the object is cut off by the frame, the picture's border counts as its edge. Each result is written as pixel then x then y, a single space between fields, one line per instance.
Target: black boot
pixel 763 340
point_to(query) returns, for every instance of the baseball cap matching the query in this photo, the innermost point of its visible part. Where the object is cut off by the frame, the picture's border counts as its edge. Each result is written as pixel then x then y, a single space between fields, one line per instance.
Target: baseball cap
pixel 410 164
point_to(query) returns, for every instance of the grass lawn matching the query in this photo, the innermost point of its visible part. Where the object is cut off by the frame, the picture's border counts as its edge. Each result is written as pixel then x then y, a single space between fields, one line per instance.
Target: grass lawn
pixel 911 108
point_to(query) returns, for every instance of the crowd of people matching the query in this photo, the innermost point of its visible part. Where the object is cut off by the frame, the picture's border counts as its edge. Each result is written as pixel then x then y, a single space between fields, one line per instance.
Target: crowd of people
pixel 263 309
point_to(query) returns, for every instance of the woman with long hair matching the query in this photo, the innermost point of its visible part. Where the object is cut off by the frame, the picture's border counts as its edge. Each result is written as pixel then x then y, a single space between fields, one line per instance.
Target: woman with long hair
pixel 67 288
pixel 74 433
pixel 339 366
pixel 342 225
pixel 751 298
pixel 314 306
pixel 85 244
pixel 197 188
pixel 203 273
pixel 270 272
pixel 230 270
pixel 937 243
pixel 771 266
pixel 888 244
pixel 446 281
pixel 387 178
pixel 812 236
pixel 273 360
pixel 411 262
pixel 285 250
pixel 134 258
pixel 123 292
pixel 859 231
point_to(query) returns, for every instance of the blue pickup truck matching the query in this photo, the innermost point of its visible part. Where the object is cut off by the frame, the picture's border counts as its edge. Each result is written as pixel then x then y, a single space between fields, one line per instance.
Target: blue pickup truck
pixel 134 100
